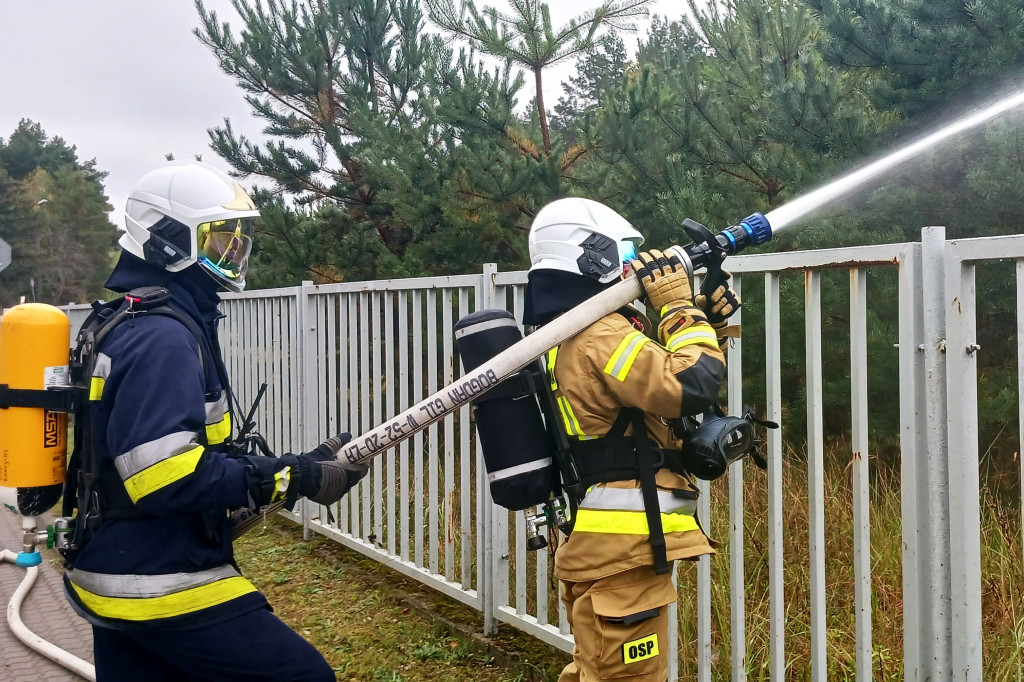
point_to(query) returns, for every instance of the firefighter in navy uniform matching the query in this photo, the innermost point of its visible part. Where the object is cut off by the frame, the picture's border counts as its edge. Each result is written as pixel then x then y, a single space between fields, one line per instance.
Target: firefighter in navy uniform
pixel 620 387
pixel 155 573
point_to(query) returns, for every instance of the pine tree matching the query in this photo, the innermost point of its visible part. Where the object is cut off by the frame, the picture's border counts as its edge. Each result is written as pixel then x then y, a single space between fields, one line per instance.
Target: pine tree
pixel 527 38
pixel 386 137
pixel 929 49
pixel 599 70
pixel 53 212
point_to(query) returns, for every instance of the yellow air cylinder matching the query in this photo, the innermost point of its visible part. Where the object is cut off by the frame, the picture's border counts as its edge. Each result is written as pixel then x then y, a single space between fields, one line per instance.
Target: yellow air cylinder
pixel 33 441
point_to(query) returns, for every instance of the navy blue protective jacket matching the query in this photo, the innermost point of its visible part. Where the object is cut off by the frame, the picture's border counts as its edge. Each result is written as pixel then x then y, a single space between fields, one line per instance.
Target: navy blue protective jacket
pixel 159 422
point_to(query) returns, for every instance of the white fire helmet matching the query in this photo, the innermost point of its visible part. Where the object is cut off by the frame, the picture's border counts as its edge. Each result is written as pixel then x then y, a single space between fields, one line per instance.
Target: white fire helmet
pixel 583 237
pixel 194 213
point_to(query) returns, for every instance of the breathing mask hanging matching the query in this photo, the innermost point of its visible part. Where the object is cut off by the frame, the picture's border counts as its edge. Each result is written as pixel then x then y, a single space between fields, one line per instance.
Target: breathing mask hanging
pixel 719 440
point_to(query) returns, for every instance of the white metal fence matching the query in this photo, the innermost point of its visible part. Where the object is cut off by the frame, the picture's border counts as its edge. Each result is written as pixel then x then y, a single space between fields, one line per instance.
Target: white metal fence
pixel 347 356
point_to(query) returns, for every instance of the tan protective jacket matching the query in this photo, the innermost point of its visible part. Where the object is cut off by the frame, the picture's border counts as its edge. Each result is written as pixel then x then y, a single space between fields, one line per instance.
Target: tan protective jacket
pixel 611 365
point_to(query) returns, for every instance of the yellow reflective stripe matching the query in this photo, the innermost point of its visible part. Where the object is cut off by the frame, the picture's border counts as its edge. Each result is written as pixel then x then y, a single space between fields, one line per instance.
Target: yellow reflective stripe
pixel 625 355
pixel 572 425
pixel 629 522
pixel 552 354
pixel 163 473
pixel 168 605
pixel 220 431
pixel 96 388
pixel 281 480
pixel 698 333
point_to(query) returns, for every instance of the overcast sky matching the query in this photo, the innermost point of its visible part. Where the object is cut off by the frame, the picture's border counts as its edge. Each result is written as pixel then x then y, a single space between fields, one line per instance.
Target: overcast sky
pixel 127 82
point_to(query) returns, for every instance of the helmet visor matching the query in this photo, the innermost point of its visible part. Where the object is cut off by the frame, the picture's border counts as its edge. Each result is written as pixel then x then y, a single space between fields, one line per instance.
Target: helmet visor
pixel 223 247
pixel 627 254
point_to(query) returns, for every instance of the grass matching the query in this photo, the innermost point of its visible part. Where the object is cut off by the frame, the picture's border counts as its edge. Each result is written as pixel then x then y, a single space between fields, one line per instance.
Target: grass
pixel 343 602
pixel 352 610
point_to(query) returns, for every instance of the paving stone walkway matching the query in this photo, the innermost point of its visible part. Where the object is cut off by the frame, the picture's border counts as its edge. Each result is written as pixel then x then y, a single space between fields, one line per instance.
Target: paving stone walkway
pixel 46 612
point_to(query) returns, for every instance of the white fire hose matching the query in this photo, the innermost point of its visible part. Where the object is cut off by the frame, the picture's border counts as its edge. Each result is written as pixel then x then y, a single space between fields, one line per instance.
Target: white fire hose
pixel 486 376
pixel 29 638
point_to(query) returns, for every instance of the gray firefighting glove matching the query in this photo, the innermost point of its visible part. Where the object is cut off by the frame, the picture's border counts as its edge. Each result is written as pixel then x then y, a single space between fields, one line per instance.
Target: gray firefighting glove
pixel 320 476
pixel 315 474
pixel 664 279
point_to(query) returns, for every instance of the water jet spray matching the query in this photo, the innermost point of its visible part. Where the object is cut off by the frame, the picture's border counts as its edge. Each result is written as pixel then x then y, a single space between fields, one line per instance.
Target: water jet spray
pixel 707 250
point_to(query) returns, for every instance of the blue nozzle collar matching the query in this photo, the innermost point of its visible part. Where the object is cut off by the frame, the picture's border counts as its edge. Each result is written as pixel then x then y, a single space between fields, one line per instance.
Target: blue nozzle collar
pixel 756 225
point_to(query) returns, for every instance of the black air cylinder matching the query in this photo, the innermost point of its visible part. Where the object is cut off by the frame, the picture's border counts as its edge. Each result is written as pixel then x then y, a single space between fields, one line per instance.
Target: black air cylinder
pixel 518 451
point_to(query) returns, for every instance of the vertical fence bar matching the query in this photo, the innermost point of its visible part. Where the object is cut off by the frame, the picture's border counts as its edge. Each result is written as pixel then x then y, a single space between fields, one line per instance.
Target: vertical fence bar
pixel 389 348
pixel 285 365
pixel 860 470
pixel 815 473
pixel 773 384
pixel 703 591
pixel 487 574
pixel 913 448
pixel 465 456
pixel 345 422
pixel 367 380
pixel 433 438
pixel 932 476
pixel 673 629
pixel 356 378
pixel 448 358
pixel 377 350
pixel 518 303
pixel 417 440
pixel 261 372
pixel 403 400
pixel 964 484
pixel 737 598
pixel 1020 386
pixel 306 327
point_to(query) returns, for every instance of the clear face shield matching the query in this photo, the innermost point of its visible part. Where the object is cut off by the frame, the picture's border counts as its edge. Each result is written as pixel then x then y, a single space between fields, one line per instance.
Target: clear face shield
pixel 627 254
pixel 222 248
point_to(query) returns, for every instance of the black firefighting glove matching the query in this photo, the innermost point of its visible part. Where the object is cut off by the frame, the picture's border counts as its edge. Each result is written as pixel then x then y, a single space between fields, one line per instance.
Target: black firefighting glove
pixel 664 279
pixel 315 474
pixel 721 304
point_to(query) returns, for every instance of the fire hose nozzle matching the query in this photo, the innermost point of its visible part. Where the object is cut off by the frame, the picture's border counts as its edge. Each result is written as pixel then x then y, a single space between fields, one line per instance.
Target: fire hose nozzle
pixel 709 249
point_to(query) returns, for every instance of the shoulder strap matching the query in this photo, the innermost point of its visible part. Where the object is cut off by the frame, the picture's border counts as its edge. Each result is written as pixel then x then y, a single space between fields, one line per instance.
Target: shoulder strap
pixel 85 484
pixel 648 465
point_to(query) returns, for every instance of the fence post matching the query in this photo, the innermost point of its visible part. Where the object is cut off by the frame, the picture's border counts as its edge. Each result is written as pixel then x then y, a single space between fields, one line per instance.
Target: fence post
pixel 964 485
pixel 485 539
pixel 305 345
pixel 927 629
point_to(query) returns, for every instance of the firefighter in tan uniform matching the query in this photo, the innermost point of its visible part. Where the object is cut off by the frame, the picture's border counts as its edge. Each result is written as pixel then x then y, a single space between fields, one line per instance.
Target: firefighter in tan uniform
pixel 619 385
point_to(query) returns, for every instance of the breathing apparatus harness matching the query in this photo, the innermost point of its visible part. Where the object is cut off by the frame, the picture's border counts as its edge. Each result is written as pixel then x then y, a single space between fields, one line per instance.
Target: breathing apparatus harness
pixel 99 495
pixel 531 461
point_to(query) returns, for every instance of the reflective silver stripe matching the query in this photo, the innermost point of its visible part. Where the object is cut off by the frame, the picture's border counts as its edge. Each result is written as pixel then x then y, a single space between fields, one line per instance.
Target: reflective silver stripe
pixel 632 499
pixel 102 368
pixel 143 586
pixel 626 355
pixel 216 410
pixel 695 334
pixel 148 454
pixel 520 469
pixel 484 326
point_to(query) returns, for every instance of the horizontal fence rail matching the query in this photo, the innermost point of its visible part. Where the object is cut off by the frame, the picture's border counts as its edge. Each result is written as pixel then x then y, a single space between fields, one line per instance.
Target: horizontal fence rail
pixel 345 357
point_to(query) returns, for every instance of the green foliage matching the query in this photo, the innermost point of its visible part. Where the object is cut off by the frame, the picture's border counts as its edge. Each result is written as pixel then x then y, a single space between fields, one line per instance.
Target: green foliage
pixel 53 213
pixel 527 38
pixel 927 49
pixel 391 154
pixel 401 156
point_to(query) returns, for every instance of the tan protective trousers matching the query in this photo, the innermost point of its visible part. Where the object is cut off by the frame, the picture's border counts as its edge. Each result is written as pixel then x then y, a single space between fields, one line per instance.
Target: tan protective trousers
pixel 621 626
